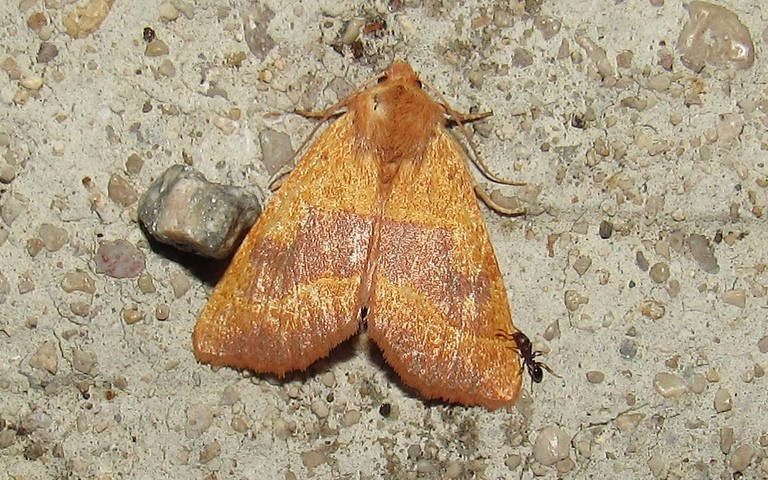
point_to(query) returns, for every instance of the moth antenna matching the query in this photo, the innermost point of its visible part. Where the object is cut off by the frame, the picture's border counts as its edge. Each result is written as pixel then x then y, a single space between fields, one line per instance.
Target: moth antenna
pixel 460 119
pixel 324 116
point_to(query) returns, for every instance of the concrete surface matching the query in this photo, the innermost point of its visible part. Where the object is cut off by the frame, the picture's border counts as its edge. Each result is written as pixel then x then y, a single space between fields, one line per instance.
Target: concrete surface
pixel 658 333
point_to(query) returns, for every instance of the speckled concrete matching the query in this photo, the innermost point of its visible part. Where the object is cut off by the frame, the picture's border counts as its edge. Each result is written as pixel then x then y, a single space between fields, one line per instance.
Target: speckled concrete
pixel 658 333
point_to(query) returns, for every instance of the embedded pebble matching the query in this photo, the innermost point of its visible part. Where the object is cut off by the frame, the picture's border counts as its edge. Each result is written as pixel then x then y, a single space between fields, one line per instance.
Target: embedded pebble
pixel 726 440
pixel 83 20
pixel 7 173
pixel 53 237
pixel 37 21
pixel 281 428
pixel 669 385
pixel 256 19
pixel 120 191
pixel 13 70
pixel 352 31
pixel 582 264
pixel 628 349
pixel 34 82
pixel 328 379
pixel 350 417
pixel 119 259
pixel 714 36
pixel 36 421
pixel 659 272
pixel 46 52
pixel 180 283
pixel 513 461
pixel 134 164
pixel 597 54
pixel 565 465
pixel 453 469
pixel 7 438
pixel 736 297
pixel 723 401
pixel 729 128
pixel 605 230
pixel 552 331
pixel 698 384
pixel 162 312
pixel 276 150
pixel 624 59
pixel 593 376
pixel 34 451
pixel 230 396
pixel 80 308
pixel 312 458
pixel 5 289
pixel 580 227
pixel 106 211
pixel 676 241
pixel 183 209
pixel 83 361
pixel 573 300
pixel 551 445
pixel 521 58
pixel 652 309
pixel 635 102
pixel 225 124
pixel 132 316
pixel 629 421
pixel 26 284
pixel 199 419
pixel 78 281
pixel 239 424
pixel 46 357
pixel 703 253
pixel 547 26
pixel 13 207
pixel 762 344
pixel 641 261
pixel 146 283
pixel 741 458
pixel 156 48
pixel 168 12
pixel 33 246
pixel 319 408
pixel 660 82
pixel 210 451
pixel 425 467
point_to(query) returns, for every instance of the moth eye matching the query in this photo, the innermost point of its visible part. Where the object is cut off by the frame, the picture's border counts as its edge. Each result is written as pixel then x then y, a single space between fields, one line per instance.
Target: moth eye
pixel 382 79
pixel 419 83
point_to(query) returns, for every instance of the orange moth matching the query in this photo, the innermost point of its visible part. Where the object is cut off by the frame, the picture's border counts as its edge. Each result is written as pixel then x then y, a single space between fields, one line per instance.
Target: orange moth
pixel 377 225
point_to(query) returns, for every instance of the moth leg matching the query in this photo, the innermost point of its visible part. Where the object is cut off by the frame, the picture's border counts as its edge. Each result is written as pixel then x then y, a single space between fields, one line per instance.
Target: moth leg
pixel 486 198
pixel 322 114
pixel 459 117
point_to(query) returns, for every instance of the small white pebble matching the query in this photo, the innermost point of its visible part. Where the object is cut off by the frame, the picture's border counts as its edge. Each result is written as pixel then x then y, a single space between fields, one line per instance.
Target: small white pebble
pixel 669 385
pixel 723 401
pixel 319 408
pixel 34 82
pixel 552 445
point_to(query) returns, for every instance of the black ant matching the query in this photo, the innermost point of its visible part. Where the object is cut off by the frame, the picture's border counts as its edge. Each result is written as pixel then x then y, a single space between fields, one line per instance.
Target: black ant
pixel 525 347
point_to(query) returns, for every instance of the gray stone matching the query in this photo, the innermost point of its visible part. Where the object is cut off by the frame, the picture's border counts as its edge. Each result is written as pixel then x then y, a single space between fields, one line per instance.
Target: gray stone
pixel 183 209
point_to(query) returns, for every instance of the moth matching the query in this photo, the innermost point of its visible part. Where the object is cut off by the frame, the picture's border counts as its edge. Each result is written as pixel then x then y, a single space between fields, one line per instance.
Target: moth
pixel 376 227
